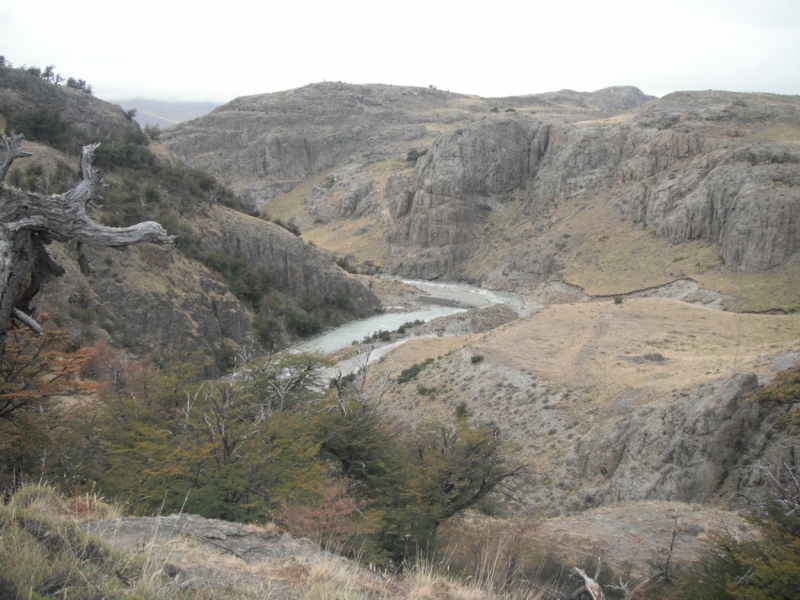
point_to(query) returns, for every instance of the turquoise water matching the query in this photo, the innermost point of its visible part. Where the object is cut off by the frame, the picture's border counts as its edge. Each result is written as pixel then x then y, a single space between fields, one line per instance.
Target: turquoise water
pixel 344 336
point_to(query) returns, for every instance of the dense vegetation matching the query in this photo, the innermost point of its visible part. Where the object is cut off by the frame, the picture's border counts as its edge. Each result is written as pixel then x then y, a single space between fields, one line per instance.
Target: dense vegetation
pixel 269 441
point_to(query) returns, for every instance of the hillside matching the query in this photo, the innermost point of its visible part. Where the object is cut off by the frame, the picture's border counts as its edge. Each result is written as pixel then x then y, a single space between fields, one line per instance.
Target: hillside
pixel 611 191
pixel 230 282
pixel 655 242
pixel 614 403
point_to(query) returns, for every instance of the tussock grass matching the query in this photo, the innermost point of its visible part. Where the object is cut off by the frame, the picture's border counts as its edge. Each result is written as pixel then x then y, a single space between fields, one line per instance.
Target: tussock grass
pixel 45 554
pixel 332 579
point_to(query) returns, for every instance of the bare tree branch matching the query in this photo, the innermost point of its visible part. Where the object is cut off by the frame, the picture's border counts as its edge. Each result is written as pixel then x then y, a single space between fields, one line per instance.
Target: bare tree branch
pixel 590 585
pixel 9 150
pixel 29 323
pixel 29 222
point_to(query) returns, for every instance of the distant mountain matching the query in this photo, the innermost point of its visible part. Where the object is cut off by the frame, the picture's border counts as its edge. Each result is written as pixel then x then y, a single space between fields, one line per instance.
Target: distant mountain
pixel 166 114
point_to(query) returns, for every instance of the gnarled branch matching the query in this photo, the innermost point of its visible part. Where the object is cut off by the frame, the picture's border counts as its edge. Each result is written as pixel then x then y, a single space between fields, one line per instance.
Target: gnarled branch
pixel 29 221
pixel 9 150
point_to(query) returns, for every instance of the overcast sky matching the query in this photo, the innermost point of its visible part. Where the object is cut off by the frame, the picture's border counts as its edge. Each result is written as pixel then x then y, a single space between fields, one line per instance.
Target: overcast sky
pixel 181 50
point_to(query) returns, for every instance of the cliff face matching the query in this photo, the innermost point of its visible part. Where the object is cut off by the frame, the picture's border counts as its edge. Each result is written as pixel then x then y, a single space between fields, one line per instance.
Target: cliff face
pixel 299 269
pixel 712 167
pixel 155 300
pixel 678 164
pixel 151 300
pixel 265 144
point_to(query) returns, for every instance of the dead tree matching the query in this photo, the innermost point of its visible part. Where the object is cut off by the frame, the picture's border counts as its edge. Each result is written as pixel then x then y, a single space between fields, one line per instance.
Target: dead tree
pixel 590 585
pixel 29 222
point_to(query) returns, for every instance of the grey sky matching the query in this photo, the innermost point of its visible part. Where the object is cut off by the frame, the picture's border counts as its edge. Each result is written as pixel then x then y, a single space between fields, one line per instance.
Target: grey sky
pixel 180 50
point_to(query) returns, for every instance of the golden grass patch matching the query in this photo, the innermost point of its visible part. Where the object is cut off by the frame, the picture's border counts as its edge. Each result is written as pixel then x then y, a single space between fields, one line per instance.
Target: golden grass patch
pixel 597 347
pixel 416 351
pixel 341 239
pixel 287 205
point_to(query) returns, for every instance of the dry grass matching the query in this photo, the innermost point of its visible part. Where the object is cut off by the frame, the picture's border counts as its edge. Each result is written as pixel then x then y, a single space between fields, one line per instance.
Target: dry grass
pixel 588 346
pixel 418 350
pixel 290 204
pixel 341 239
pixel 44 553
pixel 780 133
pixel 334 579
pixel 45 500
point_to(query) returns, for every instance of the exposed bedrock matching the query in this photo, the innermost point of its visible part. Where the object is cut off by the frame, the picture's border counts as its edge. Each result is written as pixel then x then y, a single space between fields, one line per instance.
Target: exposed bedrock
pixel 681 164
pixel 299 269
pixel 698 447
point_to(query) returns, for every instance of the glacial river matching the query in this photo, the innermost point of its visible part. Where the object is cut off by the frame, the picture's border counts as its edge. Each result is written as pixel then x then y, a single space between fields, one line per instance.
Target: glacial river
pixel 465 295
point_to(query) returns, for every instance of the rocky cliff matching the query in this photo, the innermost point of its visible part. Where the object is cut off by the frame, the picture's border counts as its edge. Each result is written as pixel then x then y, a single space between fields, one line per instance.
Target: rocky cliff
pixel 155 300
pixel 460 187
pixel 299 269
pixel 265 144
pixel 677 164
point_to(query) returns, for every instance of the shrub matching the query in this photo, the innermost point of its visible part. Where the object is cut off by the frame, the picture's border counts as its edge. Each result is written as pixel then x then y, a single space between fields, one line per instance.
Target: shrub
pixel 302 323
pixel 153 132
pixel 617 299
pixel 289 226
pixel 412 371
pixel 476 358
pixel 344 264
pixel 414 154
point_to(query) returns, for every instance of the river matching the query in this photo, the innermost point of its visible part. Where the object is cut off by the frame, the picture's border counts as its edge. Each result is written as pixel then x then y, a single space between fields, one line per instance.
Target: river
pixel 461 295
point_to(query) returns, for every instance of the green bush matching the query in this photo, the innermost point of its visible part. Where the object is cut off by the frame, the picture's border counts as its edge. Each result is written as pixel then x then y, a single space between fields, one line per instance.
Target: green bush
pixel 302 323
pixel 343 263
pixel 414 154
pixel 461 410
pixel 412 371
pixel 476 358
pixel 290 227
pixel 40 124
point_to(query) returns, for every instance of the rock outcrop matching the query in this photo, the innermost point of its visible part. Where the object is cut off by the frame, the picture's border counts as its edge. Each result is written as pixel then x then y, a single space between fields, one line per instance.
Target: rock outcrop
pixel 675 164
pixel 155 300
pixel 685 451
pixel 300 270
pixel 715 167
pixel 263 143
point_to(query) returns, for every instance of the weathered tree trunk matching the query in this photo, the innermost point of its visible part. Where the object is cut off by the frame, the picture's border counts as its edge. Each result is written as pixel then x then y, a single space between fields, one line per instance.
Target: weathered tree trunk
pixel 30 222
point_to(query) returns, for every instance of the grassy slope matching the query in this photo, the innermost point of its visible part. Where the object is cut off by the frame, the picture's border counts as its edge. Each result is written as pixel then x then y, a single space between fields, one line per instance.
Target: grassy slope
pixel 583 345
pixel 575 358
